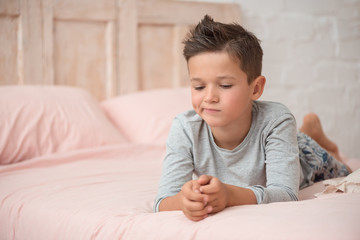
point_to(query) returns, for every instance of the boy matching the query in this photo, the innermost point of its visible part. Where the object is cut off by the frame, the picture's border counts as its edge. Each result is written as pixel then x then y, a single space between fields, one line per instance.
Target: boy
pixel 243 150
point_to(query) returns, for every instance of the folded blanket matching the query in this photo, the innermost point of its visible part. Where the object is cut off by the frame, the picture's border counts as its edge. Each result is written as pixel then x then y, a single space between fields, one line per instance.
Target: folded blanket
pixel 349 184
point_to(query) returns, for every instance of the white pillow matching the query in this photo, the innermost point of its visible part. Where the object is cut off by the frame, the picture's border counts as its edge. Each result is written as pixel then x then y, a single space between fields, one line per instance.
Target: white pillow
pixel 40 120
pixel 146 117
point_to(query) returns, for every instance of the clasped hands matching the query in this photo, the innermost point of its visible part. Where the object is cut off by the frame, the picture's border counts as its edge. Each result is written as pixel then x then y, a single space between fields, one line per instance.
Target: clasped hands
pixel 205 195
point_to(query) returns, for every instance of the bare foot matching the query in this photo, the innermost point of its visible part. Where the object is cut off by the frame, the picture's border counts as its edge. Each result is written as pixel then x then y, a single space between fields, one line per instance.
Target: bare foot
pixel 312 127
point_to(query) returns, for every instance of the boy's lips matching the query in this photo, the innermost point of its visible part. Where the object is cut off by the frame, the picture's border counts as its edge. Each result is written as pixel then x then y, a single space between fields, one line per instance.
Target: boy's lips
pixel 211 110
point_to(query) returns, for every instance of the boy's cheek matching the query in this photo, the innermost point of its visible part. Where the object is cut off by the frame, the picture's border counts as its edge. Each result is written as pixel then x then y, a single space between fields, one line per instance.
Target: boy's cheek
pixel 195 100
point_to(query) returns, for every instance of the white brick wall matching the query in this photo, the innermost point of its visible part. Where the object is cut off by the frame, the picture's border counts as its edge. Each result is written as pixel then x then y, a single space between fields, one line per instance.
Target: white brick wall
pixel 312 60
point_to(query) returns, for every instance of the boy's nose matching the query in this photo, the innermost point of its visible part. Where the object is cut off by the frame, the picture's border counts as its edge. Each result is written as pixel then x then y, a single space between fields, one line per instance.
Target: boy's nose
pixel 211 96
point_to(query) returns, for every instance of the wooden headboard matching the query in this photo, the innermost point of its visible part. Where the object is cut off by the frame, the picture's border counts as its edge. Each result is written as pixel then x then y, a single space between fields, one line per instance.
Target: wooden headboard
pixel 108 47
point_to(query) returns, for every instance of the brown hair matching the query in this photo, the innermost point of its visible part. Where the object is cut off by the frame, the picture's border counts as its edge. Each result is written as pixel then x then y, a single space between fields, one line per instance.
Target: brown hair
pixel 211 36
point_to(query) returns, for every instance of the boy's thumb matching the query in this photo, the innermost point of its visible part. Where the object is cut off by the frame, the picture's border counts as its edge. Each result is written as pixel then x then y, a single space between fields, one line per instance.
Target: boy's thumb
pixel 204 180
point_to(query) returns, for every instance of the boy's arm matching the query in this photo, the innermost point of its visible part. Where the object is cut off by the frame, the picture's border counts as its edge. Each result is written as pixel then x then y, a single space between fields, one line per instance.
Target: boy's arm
pixel 240 196
pixel 177 166
pixel 282 162
pixel 171 203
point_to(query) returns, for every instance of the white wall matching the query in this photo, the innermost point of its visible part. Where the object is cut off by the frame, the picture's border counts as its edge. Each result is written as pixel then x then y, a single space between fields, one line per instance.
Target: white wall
pixel 312 60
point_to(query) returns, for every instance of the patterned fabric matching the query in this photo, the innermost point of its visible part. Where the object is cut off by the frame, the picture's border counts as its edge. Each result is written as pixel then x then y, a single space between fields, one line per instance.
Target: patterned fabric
pixel 316 163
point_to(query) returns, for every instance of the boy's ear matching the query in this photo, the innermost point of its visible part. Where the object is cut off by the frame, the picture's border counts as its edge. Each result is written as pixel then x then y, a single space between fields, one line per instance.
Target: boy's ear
pixel 258 86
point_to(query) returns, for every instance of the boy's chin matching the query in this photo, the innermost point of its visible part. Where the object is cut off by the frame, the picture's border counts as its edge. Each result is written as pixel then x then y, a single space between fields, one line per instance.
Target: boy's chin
pixel 213 123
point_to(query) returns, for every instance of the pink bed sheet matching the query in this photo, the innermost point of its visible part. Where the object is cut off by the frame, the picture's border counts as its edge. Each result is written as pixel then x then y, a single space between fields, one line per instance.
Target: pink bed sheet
pixel 108 193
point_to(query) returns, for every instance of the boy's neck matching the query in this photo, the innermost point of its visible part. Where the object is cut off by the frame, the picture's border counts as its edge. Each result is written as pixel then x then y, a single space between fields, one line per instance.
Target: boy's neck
pixel 231 137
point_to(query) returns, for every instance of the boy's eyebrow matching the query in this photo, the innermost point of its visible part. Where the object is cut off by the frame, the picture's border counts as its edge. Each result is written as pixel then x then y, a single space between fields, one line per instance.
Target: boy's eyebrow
pixel 221 77
pixel 225 77
pixel 195 79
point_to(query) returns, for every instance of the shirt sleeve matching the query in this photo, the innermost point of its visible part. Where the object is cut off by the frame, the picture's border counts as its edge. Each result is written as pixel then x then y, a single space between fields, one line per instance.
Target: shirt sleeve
pixel 282 162
pixel 178 166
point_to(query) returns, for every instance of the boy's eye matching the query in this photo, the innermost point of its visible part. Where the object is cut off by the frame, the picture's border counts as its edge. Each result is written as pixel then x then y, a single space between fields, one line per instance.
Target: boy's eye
pixel 198 88
pixel 226 86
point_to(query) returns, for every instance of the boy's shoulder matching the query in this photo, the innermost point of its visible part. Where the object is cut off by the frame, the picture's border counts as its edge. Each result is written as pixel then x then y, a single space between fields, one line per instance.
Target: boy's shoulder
pixel 268 113
pixel 270 107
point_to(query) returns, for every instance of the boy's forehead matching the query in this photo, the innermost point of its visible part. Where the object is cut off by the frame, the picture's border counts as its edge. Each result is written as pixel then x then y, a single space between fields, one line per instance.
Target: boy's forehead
pixel 211 58
pixel 214 65
pixel 232 57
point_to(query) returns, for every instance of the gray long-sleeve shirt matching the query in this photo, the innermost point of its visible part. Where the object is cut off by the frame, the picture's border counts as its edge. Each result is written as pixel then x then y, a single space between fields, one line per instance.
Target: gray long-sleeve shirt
pixel 267 161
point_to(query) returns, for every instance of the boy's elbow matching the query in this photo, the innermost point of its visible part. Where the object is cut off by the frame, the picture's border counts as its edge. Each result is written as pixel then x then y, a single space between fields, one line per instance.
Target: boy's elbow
pixel 156 207
pixel 293 196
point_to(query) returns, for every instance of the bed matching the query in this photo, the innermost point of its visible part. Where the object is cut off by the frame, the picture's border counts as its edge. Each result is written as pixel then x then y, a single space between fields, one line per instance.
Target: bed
pixel 73 167
pixel 88 91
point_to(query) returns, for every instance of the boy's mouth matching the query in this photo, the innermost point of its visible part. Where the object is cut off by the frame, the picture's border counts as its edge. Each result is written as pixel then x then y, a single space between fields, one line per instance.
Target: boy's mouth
pixel 211 110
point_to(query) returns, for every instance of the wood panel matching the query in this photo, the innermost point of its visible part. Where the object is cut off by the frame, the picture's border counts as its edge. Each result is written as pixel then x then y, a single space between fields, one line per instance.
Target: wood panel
pixel 108 47
pixel 84 45
pixel 85 10
pixel 59 42
pixel 21 42
pixel 9 49
pixel 84 55
pixel 9 52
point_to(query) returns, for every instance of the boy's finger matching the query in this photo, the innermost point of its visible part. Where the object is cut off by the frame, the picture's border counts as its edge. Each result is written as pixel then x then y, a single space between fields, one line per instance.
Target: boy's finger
pixel 192 195
pixel 198 197
pixel 207 189
pixel 211 188
pixel 196 186
pixel 196 215
pixel 204 180
pixel 196 218
pixel 192 206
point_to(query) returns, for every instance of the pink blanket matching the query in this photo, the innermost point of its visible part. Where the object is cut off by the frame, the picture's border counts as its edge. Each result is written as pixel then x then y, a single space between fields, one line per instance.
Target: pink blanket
pixel 108 192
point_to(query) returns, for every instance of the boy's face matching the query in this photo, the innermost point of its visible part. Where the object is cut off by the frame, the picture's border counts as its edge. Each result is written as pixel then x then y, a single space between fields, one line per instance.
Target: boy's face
pixel 220 92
